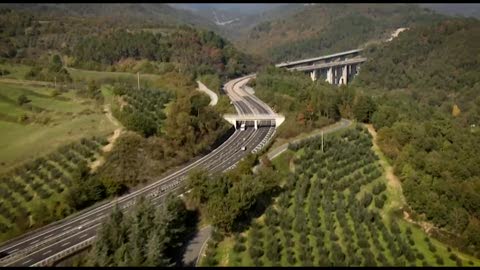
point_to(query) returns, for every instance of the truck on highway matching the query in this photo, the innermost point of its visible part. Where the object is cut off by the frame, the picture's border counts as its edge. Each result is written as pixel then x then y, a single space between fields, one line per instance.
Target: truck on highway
pixel 242 126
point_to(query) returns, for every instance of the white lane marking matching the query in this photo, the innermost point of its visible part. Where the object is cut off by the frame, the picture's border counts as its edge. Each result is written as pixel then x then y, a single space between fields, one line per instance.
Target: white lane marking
pixel 45 253
pixel 64 229
pixel 27 261
pixel 64 244
pixel 14 250
pixel 36 241
pixel 50 246
pixel 47 236
pixel 85 235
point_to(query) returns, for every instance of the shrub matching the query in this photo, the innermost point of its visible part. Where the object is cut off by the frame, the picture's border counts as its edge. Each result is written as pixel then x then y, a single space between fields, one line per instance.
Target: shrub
pixel 239 247
pixel 452 256
pixel 22 99
pixel 255 252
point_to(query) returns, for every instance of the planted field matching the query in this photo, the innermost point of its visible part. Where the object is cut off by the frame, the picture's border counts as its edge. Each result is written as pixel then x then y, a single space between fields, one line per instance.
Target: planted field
pixel 141 111
pixel 331 213
pixel 44 122
pixel 33 194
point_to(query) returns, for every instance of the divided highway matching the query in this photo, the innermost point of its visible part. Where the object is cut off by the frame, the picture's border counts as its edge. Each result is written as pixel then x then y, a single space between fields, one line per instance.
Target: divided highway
pixel 50 243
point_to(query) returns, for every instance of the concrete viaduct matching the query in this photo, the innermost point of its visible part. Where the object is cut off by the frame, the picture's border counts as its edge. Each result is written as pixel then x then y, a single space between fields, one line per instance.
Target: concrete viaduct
pixel 338 68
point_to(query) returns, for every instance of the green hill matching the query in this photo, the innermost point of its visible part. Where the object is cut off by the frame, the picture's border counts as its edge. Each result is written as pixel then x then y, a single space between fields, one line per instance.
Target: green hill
pixel 325 28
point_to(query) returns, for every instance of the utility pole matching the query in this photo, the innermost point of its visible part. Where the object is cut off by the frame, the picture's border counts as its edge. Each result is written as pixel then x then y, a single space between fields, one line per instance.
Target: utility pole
pixel 138 80
pixel 322 141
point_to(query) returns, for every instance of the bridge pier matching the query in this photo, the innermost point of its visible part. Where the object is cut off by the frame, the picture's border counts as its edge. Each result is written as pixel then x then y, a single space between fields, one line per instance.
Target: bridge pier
pixel 330 76
pixel 344 78
pixel 339 68
pixel 313 75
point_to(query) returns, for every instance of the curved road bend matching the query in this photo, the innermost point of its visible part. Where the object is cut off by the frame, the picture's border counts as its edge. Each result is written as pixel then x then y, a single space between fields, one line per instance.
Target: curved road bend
pixel 50 241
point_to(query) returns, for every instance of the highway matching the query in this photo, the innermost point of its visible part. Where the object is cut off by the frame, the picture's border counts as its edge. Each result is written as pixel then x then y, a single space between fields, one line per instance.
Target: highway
pixel 52 242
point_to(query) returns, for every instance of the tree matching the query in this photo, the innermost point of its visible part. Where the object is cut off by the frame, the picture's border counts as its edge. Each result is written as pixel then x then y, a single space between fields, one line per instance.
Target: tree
pixel 198 184
pixel 93 89
pixel 22 99
pixel 145 237
pixel 56 64
pixel 156 251
pixel 364 108
pixel 455 110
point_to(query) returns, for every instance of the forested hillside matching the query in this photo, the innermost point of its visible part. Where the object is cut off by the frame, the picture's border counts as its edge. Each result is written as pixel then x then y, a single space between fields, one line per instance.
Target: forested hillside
pixel 117 45
pixel 428 118
pixel 192 51
pixel 127 14
pixel 325 28
pixel 308 105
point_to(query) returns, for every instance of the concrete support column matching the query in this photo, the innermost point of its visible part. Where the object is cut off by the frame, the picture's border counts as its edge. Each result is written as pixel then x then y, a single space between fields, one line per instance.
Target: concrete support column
pixel 344 75
pixel 313 75
pixel 256 124
pixel 330 76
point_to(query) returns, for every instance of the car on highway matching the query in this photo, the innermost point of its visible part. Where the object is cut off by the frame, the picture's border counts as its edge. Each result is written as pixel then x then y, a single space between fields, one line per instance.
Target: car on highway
pixel 244 148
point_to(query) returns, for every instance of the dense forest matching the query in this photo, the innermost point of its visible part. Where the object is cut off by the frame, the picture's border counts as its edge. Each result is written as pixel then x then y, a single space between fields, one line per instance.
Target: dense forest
pixel 145 236
pixel 194 51
pixel 427 121
pixel 113 46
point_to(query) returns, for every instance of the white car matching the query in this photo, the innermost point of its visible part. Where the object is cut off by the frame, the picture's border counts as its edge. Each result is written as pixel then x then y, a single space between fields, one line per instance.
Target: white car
pixel 244 148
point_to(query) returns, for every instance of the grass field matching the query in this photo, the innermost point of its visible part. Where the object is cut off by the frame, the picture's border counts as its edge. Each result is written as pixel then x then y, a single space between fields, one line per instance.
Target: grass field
pixel 336 210
pixel 50 122
pixel 42 144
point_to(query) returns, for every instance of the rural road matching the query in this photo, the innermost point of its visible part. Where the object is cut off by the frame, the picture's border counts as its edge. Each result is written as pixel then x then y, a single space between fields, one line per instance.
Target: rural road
pixel 196 246
pixel 210 93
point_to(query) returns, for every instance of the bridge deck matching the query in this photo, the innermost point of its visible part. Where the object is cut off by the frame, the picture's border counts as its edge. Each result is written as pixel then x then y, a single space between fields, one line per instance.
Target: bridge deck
pixel 331 64
pixel 253 117
pixel 286 64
